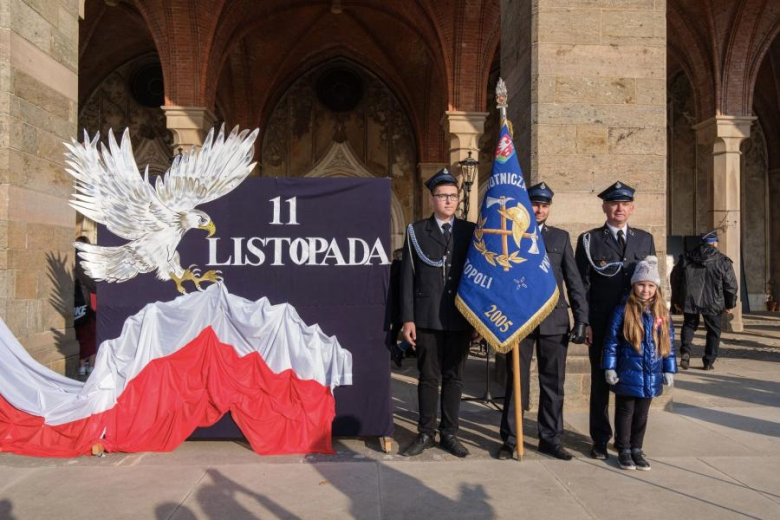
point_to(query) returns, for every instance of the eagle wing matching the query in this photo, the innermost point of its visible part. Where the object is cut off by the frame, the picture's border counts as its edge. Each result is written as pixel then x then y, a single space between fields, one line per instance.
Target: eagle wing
pixel 200 176
pixel 110 190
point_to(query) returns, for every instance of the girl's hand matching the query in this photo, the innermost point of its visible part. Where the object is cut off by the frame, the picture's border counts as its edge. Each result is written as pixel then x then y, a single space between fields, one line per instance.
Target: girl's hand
pixel 668 379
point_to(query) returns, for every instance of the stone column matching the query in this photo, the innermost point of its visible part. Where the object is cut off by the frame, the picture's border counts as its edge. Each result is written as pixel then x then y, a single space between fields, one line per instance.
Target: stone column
pixel 724 134
pixel 587 99
pixel 774 232
pixel 427 170
pixel 38 111
pixel 463 129
pixel 189 125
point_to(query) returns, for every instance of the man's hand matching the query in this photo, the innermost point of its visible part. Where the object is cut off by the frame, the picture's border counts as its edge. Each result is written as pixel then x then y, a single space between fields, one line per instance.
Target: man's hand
pixel 728 311
pixel 677 308
pixel 588 335
pixel 410 333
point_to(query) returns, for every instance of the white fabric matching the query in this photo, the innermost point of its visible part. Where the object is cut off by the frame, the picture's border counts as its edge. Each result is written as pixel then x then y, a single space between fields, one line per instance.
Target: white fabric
pixel 276 332
pixel 614 231
pixel 441 223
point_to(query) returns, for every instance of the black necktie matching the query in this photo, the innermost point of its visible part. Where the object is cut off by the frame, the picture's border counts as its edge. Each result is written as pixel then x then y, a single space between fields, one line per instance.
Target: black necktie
pixel 446 228
pixel 621 241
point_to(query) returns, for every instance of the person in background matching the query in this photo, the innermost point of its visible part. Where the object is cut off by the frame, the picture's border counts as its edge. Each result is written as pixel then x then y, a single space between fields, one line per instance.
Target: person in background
pixel 84 316
pixel 638 359
pixel 703 282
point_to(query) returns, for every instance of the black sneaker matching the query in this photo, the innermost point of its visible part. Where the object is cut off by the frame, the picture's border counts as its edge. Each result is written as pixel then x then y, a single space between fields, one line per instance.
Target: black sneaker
pixel 708 366
pixel 685 362
pixel 626 461
pixel 639 460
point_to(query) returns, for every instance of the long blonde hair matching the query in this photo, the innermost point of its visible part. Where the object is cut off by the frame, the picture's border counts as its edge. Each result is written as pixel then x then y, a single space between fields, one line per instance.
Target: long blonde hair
pixel 634 331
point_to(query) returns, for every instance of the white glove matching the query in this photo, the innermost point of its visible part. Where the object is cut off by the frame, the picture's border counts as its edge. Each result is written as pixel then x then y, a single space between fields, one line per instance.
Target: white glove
pixel 611 377
pixel 668 379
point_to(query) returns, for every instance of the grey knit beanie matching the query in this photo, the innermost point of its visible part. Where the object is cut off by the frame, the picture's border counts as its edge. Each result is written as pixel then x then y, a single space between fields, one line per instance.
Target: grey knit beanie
pixel 647 271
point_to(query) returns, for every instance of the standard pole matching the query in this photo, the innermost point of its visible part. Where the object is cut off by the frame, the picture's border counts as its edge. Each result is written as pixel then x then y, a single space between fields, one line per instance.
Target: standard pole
pixel 518 396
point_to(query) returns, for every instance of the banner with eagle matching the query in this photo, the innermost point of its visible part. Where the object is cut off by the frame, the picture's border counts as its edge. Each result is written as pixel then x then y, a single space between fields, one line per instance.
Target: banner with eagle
pixel 177 366
pixel 508 286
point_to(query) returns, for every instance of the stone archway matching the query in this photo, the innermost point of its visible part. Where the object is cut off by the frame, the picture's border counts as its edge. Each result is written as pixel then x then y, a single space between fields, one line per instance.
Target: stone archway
pixel 340 161
pixel 359 129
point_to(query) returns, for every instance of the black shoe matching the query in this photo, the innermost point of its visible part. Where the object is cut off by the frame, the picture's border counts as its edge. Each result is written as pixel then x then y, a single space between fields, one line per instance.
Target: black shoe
pixel 639 460
pixel 397 355
pixel 505 452
pixel 685 362
pixel 453 445
pixel 708 366
pixel 555 450
pixel 599 451
pixel 420 444
pixel 625 460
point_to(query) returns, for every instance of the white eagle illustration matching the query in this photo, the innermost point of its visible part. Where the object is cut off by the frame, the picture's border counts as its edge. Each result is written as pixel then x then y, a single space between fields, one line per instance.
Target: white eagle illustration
pixel 109 189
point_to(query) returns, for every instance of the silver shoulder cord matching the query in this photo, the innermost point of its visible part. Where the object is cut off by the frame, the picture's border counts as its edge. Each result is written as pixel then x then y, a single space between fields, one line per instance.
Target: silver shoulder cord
pixel 601 270
pixel 433 263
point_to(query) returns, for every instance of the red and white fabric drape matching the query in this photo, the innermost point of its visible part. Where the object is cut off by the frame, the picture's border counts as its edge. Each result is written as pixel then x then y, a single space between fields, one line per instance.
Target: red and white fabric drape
pixel 177 366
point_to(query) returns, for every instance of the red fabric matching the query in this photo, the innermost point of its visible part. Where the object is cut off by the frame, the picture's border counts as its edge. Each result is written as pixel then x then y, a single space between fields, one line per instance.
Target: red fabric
pixel 162 406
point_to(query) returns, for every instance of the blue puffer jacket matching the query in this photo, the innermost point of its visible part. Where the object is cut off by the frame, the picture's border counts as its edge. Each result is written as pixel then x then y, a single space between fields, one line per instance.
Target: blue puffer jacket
pixel 640 375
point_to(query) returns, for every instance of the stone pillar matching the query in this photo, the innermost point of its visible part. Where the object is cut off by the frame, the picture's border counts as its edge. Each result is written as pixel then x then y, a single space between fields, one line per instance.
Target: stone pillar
pixel 189 125
pixel 724 134
pixel 774 233
pixel 463 129
pixel 38 111
pixel 427 170
pixel 587 99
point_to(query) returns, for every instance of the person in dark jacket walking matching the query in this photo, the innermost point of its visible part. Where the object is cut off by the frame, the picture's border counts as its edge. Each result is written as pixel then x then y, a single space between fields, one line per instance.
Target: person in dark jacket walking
pixel 638 360
pixel 703 282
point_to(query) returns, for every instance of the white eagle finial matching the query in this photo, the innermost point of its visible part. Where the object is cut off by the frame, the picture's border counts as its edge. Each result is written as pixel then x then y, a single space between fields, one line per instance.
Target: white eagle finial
pixel 110 190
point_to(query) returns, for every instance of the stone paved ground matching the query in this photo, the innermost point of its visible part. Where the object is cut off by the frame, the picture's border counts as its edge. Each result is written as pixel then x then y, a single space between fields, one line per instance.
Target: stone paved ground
pixel 715 453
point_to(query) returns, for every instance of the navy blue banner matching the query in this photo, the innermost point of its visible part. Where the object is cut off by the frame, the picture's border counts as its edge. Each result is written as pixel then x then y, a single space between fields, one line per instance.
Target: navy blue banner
pixel 322 245
pixel 508 286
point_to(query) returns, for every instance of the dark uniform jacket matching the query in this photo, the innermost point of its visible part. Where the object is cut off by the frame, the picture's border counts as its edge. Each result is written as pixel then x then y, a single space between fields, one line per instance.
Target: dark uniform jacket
pixel 428 296
pixel 604 293
pixel 703 281
pixel 561 257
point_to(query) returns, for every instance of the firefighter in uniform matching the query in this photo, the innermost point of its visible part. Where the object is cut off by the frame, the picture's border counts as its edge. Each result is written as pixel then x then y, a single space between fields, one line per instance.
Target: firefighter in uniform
pixel 606 257
pixel 551 339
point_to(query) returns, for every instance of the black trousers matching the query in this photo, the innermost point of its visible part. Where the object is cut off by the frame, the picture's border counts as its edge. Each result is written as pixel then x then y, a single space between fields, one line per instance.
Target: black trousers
pixel 712 322
pixel 551 360
pixel 600 430
pixel 630 421
pixel 441 356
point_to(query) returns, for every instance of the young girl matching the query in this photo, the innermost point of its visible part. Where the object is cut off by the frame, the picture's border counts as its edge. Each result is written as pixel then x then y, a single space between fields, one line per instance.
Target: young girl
pixel 639 359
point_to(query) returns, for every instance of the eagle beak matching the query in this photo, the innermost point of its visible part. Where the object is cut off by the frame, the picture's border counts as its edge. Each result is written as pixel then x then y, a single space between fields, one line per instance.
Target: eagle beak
pixel 210 227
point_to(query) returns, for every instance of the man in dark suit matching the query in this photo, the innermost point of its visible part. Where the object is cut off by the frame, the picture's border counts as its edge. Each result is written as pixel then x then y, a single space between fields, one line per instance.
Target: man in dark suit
pixel 434 253
pixel 606 257
pixel 551 339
